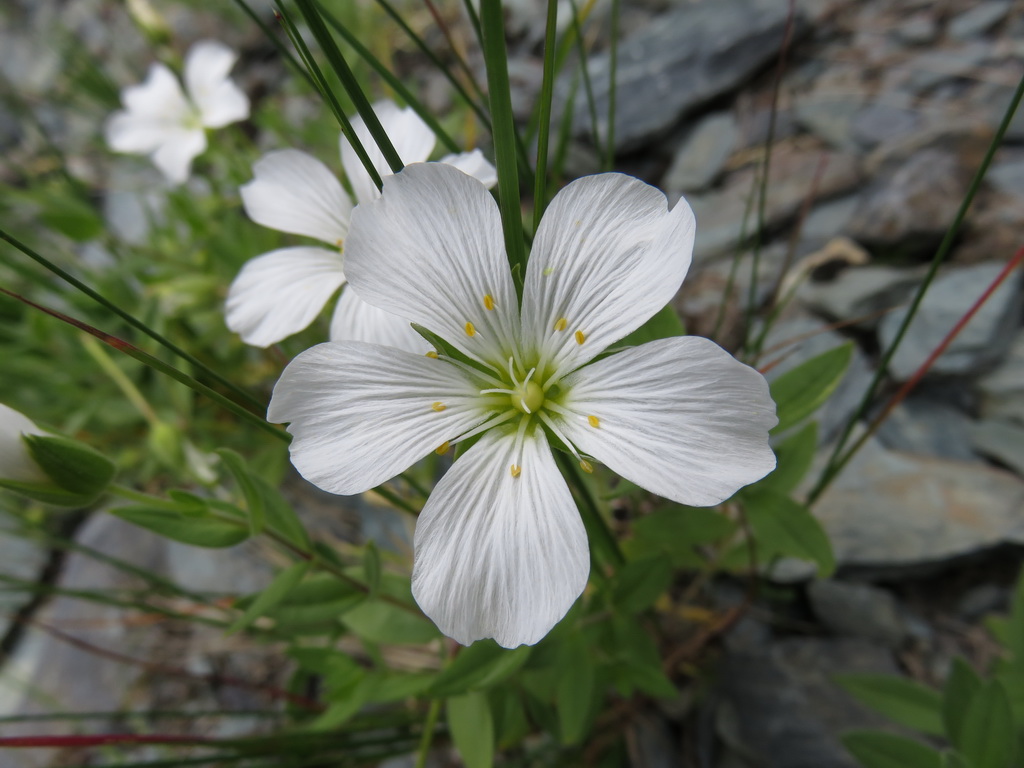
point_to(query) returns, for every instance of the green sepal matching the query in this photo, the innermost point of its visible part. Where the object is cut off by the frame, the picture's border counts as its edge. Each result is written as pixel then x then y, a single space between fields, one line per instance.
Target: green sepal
pixel 445 348
pixel 78 470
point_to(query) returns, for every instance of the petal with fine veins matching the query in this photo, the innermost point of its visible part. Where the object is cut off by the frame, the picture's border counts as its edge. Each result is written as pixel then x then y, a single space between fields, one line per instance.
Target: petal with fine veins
pixel 431 250
pixel 362 413
pixel 219 101
pixel 355 320
pixel 411 137
pixel 680 417
pixel 176 152
pixel 294 192
pixel 281 292
pixel 16 463
pixel 474 164
pixel 496 555
pixel 158 98
pixel 608 254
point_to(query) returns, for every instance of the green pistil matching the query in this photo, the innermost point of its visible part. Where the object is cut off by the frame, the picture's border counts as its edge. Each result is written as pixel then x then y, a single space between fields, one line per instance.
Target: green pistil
pixel 528 397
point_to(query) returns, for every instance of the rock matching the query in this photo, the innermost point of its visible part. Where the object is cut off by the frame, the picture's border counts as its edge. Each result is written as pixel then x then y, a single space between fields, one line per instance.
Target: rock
pixel 889 509
pixel 702 155
pixel 883 121
pixel 1000 441
pixel 979 344
pixel 24 556
pixel 922 72
pixel 829 219
pixel 919 29
pixel 860 293
pixel 857 610
pixel 830 107
pixel 981 600
pixel 979 19
pixel 780 708
pixel 1008 176
pixel 1002 390
pixel 682 60
pixel 135 199
pixel 720 214
pixel 929 426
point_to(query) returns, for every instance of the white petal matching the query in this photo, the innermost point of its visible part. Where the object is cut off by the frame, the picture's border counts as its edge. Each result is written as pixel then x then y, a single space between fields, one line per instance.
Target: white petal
pixel 175 154
pixel 608 254
pixel 680 417
pixel 15 461
pixel 476 165
pixel 500 556
pixel 159 98
pixel 412 138
pixel 294 192
pixel 281 292
pixel 126 132
pixel 218 100
pixel 355 320
pixel 362 413
pixel 431 251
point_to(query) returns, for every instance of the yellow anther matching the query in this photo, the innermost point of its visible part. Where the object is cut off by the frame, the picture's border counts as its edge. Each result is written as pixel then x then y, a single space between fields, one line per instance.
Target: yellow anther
pixel 586 466
pixel 340 244
pixel 561 324
pixel 548 271
pixel 442 449
pixel 516 470
pixel 432 355
pixel 470 330
pixel 488 302
pixel 592 420
pixel 439 406
pixel 580 338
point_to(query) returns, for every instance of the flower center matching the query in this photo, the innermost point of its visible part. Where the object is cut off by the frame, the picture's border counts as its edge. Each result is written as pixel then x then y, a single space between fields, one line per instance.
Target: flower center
pixel 527 397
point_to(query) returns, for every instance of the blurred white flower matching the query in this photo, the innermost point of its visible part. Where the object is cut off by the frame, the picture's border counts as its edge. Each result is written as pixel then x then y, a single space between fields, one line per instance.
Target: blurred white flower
pixel 15 461
pixel 169 125
pixel 279 293
pixel 500 550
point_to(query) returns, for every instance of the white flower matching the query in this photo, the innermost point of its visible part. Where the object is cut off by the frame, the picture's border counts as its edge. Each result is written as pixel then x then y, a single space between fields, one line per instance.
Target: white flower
pixel 15 461
pixel 500 550
pixel 281 292
pixel 161 121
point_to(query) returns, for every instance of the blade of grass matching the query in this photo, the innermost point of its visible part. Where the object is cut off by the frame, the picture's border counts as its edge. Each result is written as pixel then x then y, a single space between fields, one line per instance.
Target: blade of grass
pixel 393 82
pixel 327 94
pixel 474 20
pixel 157 365
pixel 609 160
pixel 315 22
pixel 255 405
pixel 504 131
pixel 588 87
pixel 544 116
pixel 831 468
pixel 281 47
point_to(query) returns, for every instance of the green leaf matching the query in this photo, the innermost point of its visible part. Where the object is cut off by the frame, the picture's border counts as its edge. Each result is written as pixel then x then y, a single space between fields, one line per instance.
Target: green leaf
pixel 638 584
pixel 74 466
pixel 988 738
pixel 575 694
pixel 663 325
pixel 676 530
pixel 385 623
pixel 472 728
pixel 874 749
pixel 951 759
pixel 254 498
pixel 478 667
pixel 794 456
pixel 47 494
pixel 275 592
pixel 961 685
pixel 211 532
pixel 71 217
pixel 1015 629
pixel 903 701
pixel 371 567
pixel 783 526
pixel 800 392
pixel 388 686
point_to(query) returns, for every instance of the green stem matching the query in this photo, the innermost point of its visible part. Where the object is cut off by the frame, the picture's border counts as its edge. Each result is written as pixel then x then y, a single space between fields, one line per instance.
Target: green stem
pixel 609 161
pixel 833 465
pixel 540 179
pixel 428 733
pixel 602 539
pixel 281 48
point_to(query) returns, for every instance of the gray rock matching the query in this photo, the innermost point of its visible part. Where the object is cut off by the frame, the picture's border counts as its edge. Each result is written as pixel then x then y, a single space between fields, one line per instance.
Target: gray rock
pixel 888 509
pixel 830 109
pixel 857 610
pixel 928 426
pixel 919 29
pixel 683 59
pixel 781 709
pixel 1000 441
pixel 979 19
pixel 981 342
pixel 1008 176
pixel 828 219
pixel 925 71
pixel 883 121
pixel 135 199
pixel 23 556
pixel 860 292
pixel 702 155
pixel 981 600
pixel 1002 390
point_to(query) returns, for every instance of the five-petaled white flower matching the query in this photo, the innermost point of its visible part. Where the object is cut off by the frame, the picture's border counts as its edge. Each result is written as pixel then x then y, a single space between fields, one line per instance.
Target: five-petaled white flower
pixel 500 549
pixel 16 463
pixel 281 292
pixel 161 121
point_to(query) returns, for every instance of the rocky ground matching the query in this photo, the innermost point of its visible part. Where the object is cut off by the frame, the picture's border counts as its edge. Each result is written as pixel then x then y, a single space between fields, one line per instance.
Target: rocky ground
pixel 885 110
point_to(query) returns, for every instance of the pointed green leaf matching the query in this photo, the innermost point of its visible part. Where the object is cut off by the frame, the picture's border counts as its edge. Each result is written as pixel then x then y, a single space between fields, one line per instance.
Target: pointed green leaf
pixel 903 701
pixel 478 667
pixel 472 728
pixel 874 749
pixel 575 693
pixel 800 392
pixel 211 532
pixel 988 738
pixel 794 456
pixel 961 685
pixel 663 325
pixel 385 623
pixel 636 585
pixel 783 526
pixel 74 466
pixel 254 498
pixel 277 591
